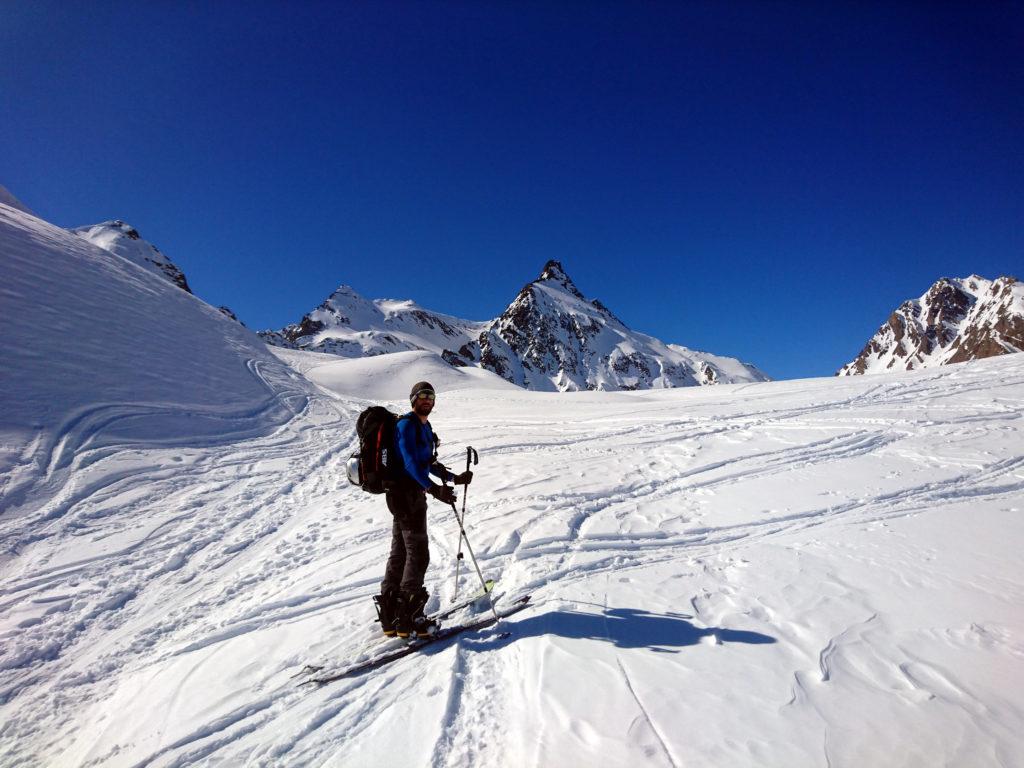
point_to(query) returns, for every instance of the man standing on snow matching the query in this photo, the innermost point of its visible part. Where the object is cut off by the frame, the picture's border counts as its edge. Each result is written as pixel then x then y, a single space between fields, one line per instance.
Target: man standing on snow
pixel 402 597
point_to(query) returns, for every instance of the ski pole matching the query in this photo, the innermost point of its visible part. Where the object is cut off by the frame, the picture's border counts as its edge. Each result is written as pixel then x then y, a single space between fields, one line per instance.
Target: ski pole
pixel 469 548
pixel 471 455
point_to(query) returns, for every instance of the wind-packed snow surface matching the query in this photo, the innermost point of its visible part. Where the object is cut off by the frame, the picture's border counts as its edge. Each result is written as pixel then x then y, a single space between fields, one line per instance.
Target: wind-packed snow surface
pixel 804 573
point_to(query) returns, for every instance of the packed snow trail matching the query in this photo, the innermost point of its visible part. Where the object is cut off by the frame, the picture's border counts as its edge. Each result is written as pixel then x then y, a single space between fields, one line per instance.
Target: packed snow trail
pixel 797 573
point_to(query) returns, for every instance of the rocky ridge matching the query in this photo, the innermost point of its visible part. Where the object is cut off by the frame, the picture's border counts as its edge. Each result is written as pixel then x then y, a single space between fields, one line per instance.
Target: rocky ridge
pixel 956 320
pixel 124 240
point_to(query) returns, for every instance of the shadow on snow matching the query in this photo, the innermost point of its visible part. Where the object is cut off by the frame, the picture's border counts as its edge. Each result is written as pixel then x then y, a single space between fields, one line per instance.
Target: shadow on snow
pixel 624 627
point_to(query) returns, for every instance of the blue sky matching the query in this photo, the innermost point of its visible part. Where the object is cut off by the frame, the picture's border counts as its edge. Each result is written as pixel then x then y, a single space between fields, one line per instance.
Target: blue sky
pixel 765 180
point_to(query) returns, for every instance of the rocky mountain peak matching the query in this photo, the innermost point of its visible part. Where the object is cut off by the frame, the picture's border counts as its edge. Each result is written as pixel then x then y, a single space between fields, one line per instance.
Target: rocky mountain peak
pixel 955 320
pixel 553 272
pixel 348 305
pixel 560 340
pixel 125 228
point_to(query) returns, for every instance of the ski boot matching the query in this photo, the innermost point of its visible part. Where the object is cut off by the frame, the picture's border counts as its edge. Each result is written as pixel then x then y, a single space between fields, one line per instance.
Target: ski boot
pixel 411 619
pixel 388 604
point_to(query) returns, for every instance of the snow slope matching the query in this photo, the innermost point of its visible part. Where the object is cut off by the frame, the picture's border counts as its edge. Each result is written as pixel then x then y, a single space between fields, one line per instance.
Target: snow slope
pixel 388 377
pixel 129 359
pixel 799 573
pixel 6 198
pixel 124 240
pixel 802 573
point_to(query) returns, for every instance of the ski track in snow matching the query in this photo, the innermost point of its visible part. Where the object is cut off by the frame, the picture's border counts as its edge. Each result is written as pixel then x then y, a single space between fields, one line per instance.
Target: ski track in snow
pixel 157 599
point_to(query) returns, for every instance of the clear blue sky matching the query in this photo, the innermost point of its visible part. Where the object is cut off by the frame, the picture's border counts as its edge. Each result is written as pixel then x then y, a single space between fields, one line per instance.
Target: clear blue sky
pixel 766 180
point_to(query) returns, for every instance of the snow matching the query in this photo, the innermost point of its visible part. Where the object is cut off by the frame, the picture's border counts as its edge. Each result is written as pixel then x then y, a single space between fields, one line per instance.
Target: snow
pixel 352 326
pixel 388 377
pixel 6 198
pixel 932 330
pixel 552 338
pixel 123 240
pixel 799 573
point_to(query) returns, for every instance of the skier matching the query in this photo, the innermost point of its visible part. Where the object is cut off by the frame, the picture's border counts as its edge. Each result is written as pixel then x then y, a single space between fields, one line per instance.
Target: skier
pixel 402 597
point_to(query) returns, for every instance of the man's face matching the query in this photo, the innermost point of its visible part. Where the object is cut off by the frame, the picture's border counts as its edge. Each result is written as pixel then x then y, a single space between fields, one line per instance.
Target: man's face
pixel 423 404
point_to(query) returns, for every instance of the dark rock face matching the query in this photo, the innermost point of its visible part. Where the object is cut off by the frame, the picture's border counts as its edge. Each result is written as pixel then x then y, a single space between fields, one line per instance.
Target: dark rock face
pixel 227 311
pixel 955 321
pixel 453 359
pixel 539 338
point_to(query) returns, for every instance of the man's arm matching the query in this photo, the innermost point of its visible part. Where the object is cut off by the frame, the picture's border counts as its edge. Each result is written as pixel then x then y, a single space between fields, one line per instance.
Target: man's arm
pixel 437 469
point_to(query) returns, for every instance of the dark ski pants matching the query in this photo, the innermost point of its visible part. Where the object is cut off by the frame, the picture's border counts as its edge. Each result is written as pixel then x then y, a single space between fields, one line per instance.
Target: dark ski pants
pixel 410 555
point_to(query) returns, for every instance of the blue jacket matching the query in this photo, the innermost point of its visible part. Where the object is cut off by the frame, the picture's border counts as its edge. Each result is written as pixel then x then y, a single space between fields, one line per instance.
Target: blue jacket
pixel 414 442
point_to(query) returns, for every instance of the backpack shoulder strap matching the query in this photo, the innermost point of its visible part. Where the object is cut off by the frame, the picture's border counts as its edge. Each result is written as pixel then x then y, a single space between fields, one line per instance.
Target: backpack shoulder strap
pixel 417 422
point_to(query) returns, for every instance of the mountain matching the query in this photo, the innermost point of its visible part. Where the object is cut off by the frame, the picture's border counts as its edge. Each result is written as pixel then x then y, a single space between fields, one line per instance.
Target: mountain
pixel 954 321
pixel 551 337
pixel 348 325
pixel 138 360
pixel 124 240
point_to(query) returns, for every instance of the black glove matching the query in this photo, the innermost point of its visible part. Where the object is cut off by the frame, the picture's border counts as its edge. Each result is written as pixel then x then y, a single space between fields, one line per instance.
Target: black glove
pixel 464 479
pixel 442 493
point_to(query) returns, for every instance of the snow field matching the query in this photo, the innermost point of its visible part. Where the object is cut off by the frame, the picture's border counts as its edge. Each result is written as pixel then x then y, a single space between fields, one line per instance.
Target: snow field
pixel 820 572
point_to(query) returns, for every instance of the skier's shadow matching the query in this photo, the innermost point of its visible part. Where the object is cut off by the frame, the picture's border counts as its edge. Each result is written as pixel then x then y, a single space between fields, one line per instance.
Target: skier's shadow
pixel 625 627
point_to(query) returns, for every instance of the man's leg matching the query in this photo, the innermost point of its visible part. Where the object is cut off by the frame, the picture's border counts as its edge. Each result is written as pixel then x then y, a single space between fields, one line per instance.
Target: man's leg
pixel 414 536
pixel 388 602
pixel 396 560
pixel 414 595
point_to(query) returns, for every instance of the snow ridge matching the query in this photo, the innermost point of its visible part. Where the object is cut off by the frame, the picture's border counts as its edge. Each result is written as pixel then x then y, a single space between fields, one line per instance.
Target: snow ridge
pixel 6 198
pixel 124 240
pixel 348 325
pixel 551 337
pixel 956 320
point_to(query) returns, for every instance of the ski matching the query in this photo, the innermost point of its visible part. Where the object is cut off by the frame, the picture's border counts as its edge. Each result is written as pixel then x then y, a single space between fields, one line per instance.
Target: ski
pixel 456 607
pixel 312 669
pixel 416 644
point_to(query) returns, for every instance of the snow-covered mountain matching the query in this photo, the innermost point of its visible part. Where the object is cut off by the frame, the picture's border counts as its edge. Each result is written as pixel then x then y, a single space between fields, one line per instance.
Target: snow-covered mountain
pixel 549 338
pixel 954 321
pixel 124 240
pixel 348 325
pixel 137 360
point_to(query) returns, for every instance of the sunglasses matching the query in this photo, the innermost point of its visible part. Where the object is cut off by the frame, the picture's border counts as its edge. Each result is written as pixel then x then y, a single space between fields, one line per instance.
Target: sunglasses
pixel 426 396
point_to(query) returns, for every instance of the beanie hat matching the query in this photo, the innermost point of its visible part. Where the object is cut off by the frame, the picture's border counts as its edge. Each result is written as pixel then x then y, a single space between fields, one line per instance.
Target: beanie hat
pixel 419 386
